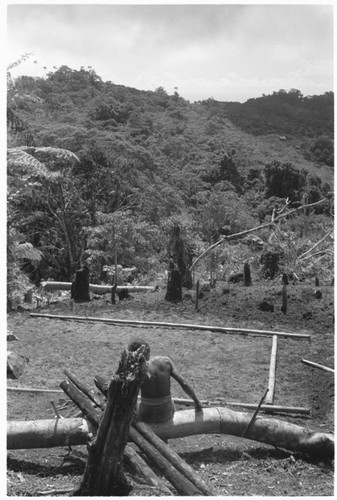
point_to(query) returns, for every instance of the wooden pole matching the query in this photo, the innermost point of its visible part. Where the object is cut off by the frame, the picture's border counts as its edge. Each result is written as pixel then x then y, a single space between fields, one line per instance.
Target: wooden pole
pixel 316 365
pixel 272 372
pixel 175 459
pixel 249 426
pixel 50 286
pixel 249 406
pixel 217 329
pixel 37 391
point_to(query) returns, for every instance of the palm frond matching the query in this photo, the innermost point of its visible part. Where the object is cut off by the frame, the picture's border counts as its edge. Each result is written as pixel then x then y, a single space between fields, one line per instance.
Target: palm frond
pixel 50 153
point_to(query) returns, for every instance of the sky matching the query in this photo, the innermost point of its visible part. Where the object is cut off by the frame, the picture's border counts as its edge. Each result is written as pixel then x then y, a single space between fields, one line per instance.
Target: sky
pixel 229 52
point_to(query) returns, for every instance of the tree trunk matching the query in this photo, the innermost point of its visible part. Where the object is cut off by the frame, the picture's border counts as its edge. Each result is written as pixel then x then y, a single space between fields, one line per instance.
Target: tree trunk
pixel 217 420
pixel 80 286
pixel 104 474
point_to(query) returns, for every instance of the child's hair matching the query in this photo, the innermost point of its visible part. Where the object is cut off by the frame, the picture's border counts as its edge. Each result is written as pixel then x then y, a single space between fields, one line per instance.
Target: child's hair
pixel 136 343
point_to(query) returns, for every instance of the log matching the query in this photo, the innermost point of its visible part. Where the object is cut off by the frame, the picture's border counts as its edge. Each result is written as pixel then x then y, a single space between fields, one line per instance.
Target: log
pixel 51 286
pixel 88 392
pixel 185 423
pixel 144 470
pixel 217 329
pixel 183 486
pixel 48 433
pixel 87 408
pixel 316 365
pixel 174 459
pixel 272 372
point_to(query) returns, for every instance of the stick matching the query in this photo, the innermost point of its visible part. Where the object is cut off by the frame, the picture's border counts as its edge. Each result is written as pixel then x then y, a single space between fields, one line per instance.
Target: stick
pixel 272 372
pixel 247 429
pixel 249 406
pixel 197 297
pixel 217 329
pixel 316 365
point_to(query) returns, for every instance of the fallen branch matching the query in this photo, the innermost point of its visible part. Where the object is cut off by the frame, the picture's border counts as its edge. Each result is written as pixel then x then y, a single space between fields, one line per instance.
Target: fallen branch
pixel 316 244
pixel 218 329
pixel 252 230
pixel 316 365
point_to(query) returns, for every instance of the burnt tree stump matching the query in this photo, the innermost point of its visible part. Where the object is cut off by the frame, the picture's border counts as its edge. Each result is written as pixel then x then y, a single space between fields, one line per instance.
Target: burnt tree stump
pixel 104 474
pixel 80 285
pixel 247 275
pixel 179 274
pixel 285 282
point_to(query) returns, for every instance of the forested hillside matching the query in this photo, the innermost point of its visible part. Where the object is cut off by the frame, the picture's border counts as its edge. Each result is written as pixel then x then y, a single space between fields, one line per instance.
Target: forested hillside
pixel 88 158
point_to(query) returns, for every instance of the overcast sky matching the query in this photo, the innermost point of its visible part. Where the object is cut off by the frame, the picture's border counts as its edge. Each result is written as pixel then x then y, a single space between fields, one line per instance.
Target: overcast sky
pixel 228 52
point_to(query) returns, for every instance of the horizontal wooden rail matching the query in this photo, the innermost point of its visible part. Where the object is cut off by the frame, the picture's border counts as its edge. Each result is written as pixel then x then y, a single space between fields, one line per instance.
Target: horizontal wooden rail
pixel 217 329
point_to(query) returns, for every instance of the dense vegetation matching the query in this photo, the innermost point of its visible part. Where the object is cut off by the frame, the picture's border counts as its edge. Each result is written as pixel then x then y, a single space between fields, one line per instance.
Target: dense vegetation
pixel 87 158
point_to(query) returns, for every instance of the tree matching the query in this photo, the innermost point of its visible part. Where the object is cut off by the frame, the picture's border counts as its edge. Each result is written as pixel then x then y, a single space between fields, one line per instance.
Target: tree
pixel 284 181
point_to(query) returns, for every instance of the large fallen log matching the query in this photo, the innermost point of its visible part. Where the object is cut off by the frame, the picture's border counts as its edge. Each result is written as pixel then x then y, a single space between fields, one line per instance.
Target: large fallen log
pixel 218 329
pixel 292 437
pixel 51 286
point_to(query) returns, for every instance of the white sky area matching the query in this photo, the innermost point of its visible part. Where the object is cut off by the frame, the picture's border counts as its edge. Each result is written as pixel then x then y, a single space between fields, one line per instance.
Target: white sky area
pixel 230 52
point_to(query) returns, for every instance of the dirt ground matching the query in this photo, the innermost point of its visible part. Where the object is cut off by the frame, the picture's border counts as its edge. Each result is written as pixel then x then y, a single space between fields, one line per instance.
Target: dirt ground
pixel 228 366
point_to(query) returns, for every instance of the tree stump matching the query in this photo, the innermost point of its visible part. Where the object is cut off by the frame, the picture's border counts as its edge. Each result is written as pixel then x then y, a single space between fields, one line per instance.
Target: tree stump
pixel 80 285
pixel 104 474
pixel 285 282
pixel 247 275
pixel 174 291
pixel 179 274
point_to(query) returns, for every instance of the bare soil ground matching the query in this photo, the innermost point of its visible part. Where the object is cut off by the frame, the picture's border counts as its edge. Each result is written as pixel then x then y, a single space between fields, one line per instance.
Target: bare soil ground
pixel 230 366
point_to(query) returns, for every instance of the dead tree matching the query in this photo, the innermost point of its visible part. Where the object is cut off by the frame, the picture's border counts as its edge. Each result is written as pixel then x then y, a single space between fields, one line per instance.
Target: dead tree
pixel 104 474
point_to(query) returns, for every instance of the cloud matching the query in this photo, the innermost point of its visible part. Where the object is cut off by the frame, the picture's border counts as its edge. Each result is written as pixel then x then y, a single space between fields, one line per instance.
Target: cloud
pixel 201 48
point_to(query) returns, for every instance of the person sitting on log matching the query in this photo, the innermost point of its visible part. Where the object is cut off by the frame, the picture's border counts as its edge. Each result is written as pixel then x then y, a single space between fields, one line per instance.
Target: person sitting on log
pixel 156 404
